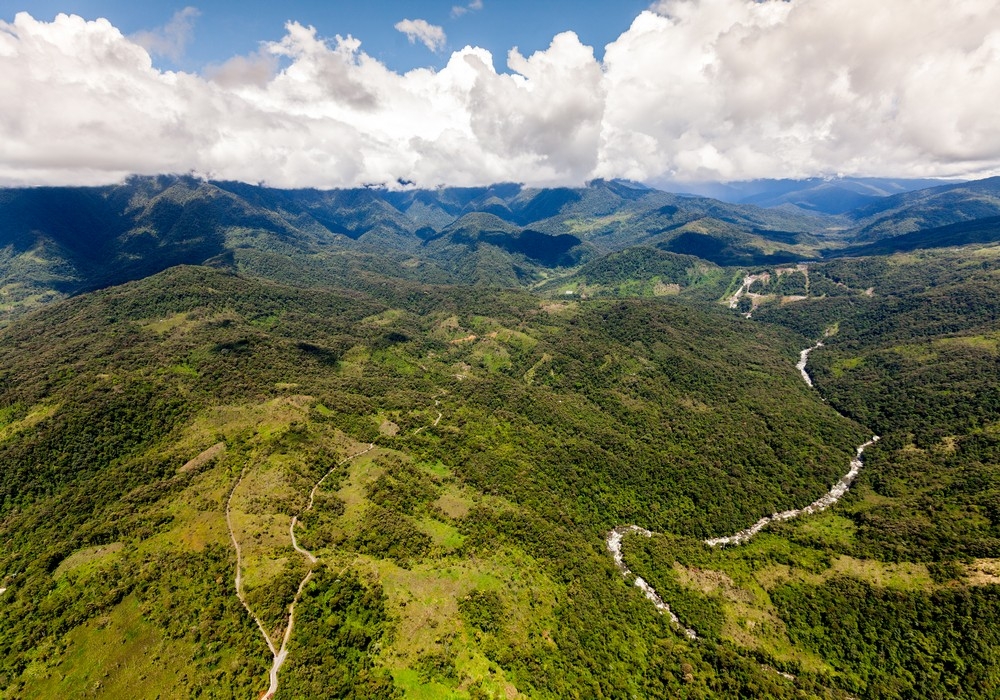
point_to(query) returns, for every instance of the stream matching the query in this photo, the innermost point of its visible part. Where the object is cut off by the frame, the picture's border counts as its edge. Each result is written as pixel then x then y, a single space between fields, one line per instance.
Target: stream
pixel 615 537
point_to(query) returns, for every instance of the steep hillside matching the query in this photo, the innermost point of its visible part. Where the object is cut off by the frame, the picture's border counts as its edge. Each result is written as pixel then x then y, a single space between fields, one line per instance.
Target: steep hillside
pixel 895 591
pixel 643 272
pixel 147 428
pixel 927 209
pixel 984 230
pixel 59 241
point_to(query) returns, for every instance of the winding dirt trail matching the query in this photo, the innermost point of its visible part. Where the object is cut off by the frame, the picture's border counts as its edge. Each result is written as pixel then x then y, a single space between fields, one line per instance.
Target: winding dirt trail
pixel 436 420
pixel 239 566
pixel 280 654
pixel 615 537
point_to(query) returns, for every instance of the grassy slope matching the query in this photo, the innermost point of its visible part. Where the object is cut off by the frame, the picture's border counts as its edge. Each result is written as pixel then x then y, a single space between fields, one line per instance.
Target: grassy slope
pixel 472 549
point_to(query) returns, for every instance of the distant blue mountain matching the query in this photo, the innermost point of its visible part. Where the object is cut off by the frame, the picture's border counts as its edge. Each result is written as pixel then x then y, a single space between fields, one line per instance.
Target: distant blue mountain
pixel 818 195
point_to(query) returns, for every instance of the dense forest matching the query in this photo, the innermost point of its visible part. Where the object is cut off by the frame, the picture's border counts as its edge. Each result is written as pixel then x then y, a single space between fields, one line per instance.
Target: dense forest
pixel 558 421
pixel 895 592
pixel 424 448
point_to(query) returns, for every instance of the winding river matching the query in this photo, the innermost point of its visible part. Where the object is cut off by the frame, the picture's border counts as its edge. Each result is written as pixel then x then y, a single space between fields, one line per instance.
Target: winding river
pixel 615 537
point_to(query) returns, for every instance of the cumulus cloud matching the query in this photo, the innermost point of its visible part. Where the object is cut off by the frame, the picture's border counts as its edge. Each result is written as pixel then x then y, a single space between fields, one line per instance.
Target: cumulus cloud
pixel 430 35
pixel 171 39
pixel 807 87
pixel 693 90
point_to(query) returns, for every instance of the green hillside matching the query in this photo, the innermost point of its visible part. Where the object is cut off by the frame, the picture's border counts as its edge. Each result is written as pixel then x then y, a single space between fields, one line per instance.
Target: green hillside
pixel 895 592
pixel 414 417
pixel 56 242
pixel 462 556
pixel 926 209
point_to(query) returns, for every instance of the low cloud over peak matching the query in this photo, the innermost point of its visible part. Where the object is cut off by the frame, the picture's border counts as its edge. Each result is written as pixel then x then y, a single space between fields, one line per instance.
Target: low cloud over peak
pixel 693 90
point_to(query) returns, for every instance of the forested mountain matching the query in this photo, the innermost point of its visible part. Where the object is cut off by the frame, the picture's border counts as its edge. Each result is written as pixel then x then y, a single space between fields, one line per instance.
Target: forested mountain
pixel 983 230
pixel 509 434
pixel 409 420
pixel 927 209
pixel 58 241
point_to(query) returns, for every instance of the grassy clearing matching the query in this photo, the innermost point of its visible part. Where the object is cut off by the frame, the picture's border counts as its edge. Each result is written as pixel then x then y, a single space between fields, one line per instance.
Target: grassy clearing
pixel 88 558
pixel 425 602
pixel 35 416
pixel 983 572
pixel 119 655
pixel 585 225
pixel 164 325
pixel 915 353
pixel 362 472
pixel 492 356
pixel 829 528
pixel 444 536
pixel 203 458
pixel 352 363
pixel 386 318
pixel 846 365
pixel 529 376
pixel 454 503
pixel 988 343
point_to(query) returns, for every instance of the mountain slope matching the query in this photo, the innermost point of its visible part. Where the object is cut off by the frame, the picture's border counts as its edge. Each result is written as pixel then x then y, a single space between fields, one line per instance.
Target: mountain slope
pixel 927 209
pixel 984 230
pixel 903 575
pixel 463 552
pixel 822 195
pixel 59 241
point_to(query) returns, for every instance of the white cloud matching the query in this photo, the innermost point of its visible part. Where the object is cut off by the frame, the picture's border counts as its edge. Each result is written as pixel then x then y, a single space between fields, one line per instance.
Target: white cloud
pixel 171 39
pixel 697 89
pixel 430 35
pixel 732 89
pixel 459 10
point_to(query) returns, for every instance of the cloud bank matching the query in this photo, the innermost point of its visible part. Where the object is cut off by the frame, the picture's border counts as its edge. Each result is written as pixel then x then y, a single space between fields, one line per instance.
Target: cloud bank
pixel 694 90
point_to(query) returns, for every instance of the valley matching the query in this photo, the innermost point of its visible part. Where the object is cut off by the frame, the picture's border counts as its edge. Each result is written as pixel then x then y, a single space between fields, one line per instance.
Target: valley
pixel 615 537
pixel 377 444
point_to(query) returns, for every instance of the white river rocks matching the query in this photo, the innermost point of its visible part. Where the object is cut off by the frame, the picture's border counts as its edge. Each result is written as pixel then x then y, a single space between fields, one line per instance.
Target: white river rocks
pixel 615 537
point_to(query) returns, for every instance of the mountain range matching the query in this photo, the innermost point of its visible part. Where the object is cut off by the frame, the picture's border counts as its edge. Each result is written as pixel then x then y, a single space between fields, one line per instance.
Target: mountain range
pixel 60 241
pixel 380 444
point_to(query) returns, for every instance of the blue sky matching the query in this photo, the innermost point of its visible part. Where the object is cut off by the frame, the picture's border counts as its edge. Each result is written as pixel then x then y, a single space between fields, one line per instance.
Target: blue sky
pixel 657 91
pixel 224 28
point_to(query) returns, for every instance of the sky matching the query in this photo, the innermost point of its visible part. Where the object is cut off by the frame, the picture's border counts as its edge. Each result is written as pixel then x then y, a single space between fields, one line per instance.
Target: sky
pixel 470 92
